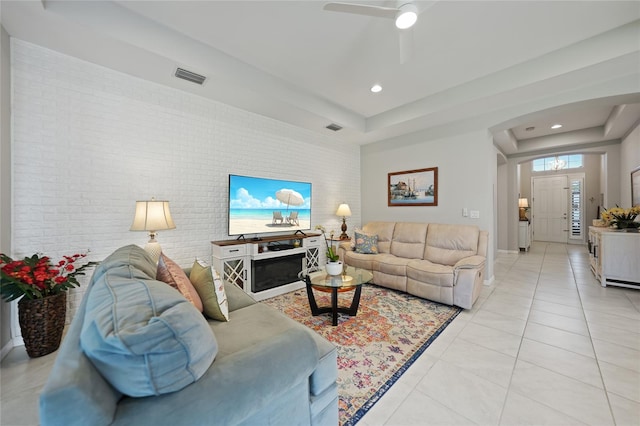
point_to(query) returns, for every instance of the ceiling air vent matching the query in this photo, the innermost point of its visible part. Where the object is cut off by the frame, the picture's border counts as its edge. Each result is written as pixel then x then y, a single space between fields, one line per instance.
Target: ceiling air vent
pixel 190 76
pixel 334 127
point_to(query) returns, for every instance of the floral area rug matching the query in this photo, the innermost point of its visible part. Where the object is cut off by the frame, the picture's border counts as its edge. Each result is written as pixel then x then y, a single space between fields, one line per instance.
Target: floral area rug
pixel 390 331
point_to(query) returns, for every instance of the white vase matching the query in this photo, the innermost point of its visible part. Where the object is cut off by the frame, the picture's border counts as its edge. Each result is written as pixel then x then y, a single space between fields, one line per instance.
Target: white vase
pixel 334 268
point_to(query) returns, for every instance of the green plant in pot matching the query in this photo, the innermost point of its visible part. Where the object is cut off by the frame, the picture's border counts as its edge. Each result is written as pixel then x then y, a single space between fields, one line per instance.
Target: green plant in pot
pixel 334 265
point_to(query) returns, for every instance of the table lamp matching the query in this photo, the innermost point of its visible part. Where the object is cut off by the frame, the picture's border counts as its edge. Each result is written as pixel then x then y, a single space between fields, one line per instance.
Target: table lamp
pixel 344 211
pixel 152 216
pixel 523 204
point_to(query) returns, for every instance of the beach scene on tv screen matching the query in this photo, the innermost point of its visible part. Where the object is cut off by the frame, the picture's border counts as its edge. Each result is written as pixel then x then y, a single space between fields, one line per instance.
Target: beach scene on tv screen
pixel 259 205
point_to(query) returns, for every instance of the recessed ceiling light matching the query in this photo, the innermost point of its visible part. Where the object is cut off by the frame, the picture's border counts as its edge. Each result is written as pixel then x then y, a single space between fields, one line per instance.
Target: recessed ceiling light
pixel 376 88
pixel 556 126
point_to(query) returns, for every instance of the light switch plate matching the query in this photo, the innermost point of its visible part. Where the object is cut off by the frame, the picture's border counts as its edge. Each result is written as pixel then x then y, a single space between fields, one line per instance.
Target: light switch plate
pixel 475 214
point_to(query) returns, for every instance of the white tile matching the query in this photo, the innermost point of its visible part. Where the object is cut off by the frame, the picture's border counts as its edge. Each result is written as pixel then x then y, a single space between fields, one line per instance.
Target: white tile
pixel 569 396
pixel 419 409
pixel 387 404
pixel 556 298
pixel 491 338
pixel 621 356
pixel 558 321
pixel 563 339
pixel 522 411
pixel 621 381
pixel 557 308
pixel 465 393
pixel 625 412
pixel 561 361
pixel 615 335
pixel 499 322
pixel 612 320
pixel 486 363
pixel 504 306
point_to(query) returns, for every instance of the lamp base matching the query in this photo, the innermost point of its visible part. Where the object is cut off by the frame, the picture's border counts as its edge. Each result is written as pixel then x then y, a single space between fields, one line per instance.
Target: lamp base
pixel 153 248
pixel 523 215
pixel 344 235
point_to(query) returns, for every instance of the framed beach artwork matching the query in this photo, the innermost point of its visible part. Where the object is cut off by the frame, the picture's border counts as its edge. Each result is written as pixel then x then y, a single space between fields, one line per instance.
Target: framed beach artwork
pixel 413 188
pixel 635 187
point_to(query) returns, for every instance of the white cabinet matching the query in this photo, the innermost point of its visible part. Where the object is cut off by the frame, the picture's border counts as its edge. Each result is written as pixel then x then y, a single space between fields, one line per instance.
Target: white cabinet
pixel 233 264
pixel 615 256
pixel 524 235
pixel 267 267
pixel 313 246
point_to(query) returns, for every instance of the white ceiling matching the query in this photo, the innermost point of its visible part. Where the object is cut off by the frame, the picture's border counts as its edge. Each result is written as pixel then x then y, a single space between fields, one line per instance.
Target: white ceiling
pixel 294 61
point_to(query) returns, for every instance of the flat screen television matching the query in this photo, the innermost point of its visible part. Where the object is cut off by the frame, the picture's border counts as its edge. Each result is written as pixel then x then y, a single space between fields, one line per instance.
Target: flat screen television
pixel 260 205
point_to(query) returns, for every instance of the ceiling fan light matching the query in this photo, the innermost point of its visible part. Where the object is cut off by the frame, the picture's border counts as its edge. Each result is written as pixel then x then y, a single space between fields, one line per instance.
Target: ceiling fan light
pixel 407 16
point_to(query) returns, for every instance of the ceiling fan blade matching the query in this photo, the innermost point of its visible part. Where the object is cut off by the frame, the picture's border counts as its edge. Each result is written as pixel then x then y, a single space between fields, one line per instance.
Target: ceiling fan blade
pixel 405 39
pixel 362 9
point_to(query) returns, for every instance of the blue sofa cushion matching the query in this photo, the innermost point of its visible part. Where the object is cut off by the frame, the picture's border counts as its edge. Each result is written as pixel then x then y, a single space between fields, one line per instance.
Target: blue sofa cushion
pixel 142 335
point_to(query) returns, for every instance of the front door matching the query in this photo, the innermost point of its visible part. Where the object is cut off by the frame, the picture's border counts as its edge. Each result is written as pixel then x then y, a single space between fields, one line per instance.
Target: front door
pixel 550 206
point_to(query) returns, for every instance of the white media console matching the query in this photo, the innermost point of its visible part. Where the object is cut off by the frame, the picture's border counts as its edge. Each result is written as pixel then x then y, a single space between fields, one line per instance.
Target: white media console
pixel 269 266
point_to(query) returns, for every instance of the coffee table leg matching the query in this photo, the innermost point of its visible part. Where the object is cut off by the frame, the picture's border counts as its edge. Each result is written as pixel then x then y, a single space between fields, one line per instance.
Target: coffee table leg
pixel 312 300
pixel 353 309
pixel 334 305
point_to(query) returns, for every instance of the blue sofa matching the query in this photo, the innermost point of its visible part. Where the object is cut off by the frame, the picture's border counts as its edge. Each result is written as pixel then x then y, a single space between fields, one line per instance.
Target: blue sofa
pixel 268 369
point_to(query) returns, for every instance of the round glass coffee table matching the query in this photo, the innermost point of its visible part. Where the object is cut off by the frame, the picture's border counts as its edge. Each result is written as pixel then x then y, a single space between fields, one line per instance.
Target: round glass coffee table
pixel 350 280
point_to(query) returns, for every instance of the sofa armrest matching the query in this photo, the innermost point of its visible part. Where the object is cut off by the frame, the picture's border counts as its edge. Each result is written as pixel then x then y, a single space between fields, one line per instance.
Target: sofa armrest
pixel 342 248
pixel 470 262
pixel 236 297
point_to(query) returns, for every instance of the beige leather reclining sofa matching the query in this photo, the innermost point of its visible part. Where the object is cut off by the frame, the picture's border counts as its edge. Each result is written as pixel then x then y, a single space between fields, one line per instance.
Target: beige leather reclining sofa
pixel 443 263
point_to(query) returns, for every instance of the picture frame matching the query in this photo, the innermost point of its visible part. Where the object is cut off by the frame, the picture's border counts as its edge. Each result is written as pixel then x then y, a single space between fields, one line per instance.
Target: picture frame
pixel 635 187
pixel 413 188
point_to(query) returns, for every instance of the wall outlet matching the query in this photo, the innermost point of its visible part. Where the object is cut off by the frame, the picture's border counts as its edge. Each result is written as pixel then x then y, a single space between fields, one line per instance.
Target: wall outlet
pixel 475 214
pixel 465 212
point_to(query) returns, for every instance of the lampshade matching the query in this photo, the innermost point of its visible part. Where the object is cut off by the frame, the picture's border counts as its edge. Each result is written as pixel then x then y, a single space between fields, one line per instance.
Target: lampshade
pixel 343 210
pixel 152 216
pixel 523 202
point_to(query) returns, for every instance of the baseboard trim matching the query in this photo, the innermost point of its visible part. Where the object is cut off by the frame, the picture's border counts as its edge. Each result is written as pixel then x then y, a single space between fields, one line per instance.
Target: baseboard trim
pixel 508 251
pixel 7 348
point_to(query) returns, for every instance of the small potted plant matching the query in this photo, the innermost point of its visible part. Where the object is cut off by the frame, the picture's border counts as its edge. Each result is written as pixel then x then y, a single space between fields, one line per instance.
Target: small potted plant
pixel 624 219
pixel 334 265
pixel 42 288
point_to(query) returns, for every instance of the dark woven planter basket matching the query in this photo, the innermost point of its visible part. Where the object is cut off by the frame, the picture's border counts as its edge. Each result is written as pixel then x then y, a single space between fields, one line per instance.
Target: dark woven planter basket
pixel 42 322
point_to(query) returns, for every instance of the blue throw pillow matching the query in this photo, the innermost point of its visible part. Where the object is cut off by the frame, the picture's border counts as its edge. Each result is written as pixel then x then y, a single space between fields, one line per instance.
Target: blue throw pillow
pixel 142 335
pixel 367 244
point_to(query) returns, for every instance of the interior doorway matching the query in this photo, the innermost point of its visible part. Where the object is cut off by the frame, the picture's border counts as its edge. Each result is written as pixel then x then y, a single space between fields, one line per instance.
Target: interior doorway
pixel 550 205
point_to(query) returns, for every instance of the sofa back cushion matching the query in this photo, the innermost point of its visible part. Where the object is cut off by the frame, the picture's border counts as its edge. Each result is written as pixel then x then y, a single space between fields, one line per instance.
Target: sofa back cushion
pixel 384 231
pixel 408 240
pixel 447 244
pixel 142 335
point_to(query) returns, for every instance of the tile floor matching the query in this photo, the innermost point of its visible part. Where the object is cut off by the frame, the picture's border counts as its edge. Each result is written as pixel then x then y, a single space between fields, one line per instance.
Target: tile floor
pixel 544 345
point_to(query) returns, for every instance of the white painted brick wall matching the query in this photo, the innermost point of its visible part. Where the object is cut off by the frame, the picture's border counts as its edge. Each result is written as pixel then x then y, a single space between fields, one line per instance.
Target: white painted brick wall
pixel 89 141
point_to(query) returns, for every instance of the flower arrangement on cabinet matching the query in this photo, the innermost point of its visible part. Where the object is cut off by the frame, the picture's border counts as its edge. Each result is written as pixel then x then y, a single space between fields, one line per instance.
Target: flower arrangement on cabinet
pixel 622 218
pixel 332 256
pixel 36 277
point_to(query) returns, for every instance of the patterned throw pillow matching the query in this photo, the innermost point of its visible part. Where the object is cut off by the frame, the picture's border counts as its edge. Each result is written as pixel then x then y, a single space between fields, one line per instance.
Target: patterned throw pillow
pixel 366 244
pixel 171 273
pixel 211 290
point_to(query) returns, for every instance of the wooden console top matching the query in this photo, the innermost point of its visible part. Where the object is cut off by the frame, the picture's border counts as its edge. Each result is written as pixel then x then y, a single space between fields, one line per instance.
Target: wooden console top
pixel 265 239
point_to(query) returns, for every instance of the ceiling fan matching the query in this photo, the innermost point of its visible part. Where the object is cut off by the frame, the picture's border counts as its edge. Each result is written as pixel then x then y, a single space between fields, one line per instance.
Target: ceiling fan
pixel 405 16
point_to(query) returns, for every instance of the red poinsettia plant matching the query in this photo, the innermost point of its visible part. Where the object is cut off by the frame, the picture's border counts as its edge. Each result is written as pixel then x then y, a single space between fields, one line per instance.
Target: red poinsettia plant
pixel 36 277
